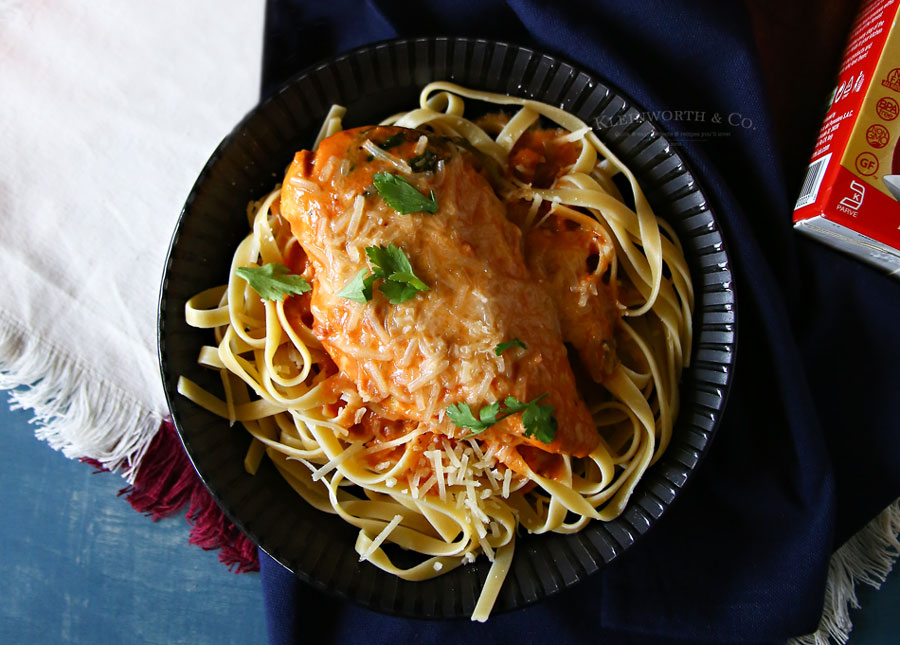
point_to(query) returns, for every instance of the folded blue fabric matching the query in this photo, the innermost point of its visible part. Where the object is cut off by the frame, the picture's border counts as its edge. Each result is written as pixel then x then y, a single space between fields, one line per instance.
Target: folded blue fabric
pixel 808 447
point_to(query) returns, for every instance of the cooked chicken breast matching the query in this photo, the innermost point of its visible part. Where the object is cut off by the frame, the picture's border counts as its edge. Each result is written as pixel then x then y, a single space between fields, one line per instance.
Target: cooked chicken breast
pixel 570 264
pixel 413 359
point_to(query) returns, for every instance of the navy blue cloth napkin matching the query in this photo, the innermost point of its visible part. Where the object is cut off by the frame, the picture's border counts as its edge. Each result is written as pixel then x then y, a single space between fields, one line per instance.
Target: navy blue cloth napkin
pixel 808 447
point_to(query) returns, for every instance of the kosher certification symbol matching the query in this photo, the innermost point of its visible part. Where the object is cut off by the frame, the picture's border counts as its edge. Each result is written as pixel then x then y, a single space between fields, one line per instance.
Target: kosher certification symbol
pixel 887 108
pixel 877 136
pixel 866 164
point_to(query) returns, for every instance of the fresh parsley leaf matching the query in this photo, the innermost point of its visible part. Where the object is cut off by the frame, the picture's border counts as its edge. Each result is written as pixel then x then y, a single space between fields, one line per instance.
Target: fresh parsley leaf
pixel 400 282
pixel 393 141
pixel 537 419
pixel 357 289
pixel 488 413
pixel 514 405
pixel 409 278
pixel 461 416
pixel 502 347
pixel 539 422
pixel 368 282
pixel 389 259
pixel 397 292
pixel 402 196
pixel 273 281
pixel 427 161
pixel 393 268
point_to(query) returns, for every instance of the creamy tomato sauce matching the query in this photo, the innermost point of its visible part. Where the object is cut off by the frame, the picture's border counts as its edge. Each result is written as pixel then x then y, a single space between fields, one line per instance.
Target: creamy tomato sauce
pixel 487 285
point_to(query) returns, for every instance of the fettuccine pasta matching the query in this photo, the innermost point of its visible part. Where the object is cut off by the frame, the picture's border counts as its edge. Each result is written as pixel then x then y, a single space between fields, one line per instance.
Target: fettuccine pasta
pixel 446 330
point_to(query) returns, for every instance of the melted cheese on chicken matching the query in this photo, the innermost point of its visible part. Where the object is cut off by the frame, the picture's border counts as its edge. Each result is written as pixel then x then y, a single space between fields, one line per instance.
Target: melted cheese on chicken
pixel 411 360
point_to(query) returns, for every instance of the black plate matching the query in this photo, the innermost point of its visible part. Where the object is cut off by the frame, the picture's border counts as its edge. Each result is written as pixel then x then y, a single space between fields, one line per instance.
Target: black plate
pixel 373 82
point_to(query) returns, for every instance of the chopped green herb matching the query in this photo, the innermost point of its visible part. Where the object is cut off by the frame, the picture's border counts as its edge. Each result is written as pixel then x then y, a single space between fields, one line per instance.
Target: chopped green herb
pixel 537 419
pixel 393 141
pixel 397 292
pixel 399 282
pixel 461 415
pixel 424 162
pixel 402 196
pixel 357 289
pixel 389 259
pixel 273 281
pixel 370 157
pixel 502 347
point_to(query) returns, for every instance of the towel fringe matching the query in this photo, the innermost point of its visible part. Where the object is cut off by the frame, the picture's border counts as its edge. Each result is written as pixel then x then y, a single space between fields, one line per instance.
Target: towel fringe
pixel 867 557
pixel 93 420
pixel 81 416
pixel 167 482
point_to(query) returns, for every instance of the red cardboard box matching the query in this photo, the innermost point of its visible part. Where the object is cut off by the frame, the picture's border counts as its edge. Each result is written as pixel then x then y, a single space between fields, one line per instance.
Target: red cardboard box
pixel 850 198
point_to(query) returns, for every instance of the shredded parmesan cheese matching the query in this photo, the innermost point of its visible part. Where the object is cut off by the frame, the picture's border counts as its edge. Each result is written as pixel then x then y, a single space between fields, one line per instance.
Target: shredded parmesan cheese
pixel 305 185
pixel 359 204
pixel 488 551
pixel 373 370
pixel 575 135
pixel 437 463
pixel 450 452
pixel 398 163
pixel 328 170
pixel 380 538
pixel 332 464
pixel 428 484
pixel 378 447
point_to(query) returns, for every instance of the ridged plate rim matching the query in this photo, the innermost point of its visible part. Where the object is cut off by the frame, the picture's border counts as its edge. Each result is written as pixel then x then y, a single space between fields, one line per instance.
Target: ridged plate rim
pixel 308 542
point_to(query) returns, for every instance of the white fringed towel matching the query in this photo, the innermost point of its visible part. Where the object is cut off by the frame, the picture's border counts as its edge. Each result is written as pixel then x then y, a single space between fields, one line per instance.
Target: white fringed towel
pixel 109 111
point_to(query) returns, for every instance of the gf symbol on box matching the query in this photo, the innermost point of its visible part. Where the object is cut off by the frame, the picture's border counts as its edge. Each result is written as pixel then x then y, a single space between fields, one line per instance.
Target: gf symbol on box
pixel 867 164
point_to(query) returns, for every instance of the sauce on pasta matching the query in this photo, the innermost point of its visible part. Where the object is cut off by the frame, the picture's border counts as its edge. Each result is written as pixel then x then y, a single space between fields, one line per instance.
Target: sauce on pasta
pixel 552 313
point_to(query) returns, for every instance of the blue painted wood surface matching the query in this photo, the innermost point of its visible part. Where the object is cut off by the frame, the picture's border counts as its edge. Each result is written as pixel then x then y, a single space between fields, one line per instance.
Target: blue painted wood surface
pixel 78 565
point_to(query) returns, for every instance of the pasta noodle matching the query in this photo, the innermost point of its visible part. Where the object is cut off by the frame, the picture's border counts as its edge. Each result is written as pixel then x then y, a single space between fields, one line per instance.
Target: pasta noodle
pixel 554 309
